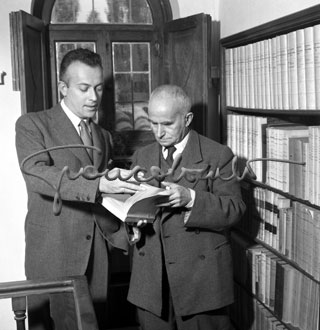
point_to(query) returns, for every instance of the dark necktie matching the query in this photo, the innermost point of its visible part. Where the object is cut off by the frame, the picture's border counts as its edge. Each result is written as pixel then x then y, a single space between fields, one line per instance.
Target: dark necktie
pixel 169 158
pixel 86 136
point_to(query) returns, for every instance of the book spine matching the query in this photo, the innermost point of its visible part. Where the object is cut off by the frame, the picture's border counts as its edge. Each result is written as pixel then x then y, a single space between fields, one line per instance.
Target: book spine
pixel 284 71
pixel 229 76
pixel 251 76
pixel 301 69
pixel 278 73
pixel 309 68
pixel 293 73
pixel 316 37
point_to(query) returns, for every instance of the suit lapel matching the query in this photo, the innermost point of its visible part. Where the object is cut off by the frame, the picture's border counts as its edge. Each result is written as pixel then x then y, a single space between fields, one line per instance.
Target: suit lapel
pixel 191 159
pixel 98 142
pixel 67 134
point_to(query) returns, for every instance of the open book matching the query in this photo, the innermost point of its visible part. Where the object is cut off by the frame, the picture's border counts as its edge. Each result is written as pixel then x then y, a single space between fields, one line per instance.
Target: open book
pixel 140 206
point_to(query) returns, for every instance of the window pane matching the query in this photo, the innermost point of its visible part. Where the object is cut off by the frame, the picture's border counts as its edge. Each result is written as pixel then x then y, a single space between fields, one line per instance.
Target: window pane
pixel 141 121
pixel 124 117
pixel 101 11
pixel 140 57
pixel 131 62
pixel 121 57
pixel 140 87
pixel 122 88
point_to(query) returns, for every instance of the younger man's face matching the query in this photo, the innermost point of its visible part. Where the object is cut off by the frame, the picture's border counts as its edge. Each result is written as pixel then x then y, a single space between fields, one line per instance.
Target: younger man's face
pixel 82 89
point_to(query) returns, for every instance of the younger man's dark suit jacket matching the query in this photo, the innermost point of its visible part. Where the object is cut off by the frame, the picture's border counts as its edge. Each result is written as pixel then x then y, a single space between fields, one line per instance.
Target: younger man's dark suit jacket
pixel 60 245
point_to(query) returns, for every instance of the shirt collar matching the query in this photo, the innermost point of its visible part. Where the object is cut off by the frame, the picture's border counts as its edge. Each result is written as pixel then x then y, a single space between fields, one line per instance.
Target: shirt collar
pixel 75 120
pixel 179 146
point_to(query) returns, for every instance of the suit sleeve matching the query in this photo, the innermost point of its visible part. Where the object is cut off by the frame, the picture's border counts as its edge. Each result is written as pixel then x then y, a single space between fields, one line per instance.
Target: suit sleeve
pixel 221 206
pixel 45 168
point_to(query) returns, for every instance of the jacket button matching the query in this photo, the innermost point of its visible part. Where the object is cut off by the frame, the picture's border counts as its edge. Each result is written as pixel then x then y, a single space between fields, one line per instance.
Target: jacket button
pixel 202 257
pixel 88 237
pixel 141 253
pixel 197 231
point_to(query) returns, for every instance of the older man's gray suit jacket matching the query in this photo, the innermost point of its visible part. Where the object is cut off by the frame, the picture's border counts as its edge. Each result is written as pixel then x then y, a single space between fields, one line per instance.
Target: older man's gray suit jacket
pixel 195 254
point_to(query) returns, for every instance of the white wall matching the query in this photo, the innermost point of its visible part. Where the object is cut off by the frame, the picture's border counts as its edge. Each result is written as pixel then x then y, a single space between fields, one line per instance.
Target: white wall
pixel 235 16
pixel 239 15
pixel 13 198
pixel 183 8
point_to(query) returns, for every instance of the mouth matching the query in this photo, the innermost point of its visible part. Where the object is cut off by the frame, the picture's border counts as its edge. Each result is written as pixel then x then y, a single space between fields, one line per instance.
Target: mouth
pixel 92 107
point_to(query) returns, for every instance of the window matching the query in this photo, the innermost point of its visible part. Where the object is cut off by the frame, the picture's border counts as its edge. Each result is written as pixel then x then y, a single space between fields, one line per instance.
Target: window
pixel 101 11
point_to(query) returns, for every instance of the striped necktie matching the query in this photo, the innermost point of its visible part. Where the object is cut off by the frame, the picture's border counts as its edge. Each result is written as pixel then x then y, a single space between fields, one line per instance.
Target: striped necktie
pixel 85 136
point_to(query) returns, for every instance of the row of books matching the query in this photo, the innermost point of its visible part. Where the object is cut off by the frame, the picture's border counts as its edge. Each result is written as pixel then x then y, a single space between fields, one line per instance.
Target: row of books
pixel 294 143
pixel 251 314
pixel 278 73
pixel 289 227
pixel 252 137
pixel 246 136
pixel 292 296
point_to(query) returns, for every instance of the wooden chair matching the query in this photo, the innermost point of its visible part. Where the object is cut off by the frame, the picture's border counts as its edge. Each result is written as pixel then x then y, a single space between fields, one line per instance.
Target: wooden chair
pixel 76 285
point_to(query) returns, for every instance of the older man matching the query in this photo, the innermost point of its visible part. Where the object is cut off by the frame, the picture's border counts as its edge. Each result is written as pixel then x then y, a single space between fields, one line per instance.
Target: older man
pixel 182 268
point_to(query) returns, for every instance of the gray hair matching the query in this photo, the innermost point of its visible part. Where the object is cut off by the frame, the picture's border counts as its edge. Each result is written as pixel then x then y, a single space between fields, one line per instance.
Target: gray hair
pixel 172 92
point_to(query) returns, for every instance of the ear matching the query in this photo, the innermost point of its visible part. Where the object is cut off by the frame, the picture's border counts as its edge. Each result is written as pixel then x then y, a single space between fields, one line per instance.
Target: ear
pixel 63 88
pixel 189 117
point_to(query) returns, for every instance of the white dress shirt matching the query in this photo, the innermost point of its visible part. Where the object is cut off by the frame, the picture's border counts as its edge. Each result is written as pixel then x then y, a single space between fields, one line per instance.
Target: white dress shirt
pixel 179 149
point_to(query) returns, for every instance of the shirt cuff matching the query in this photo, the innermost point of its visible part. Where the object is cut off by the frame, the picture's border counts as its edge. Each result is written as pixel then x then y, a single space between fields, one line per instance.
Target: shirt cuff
pixel 189 205
pixel 193 196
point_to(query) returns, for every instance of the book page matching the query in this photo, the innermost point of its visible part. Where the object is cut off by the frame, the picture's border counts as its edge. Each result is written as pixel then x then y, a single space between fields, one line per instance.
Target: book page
pixel 141 205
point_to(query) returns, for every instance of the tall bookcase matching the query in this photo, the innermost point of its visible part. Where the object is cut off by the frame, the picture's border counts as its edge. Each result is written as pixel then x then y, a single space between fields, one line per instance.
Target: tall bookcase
pixel 270 109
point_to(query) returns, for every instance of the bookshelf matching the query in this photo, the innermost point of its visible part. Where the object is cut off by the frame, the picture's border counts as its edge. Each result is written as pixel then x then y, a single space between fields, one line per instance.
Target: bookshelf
pixel 270 107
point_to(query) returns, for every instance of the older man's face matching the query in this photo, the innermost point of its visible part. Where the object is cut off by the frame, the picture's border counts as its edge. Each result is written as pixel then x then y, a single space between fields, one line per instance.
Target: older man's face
pixel 168 123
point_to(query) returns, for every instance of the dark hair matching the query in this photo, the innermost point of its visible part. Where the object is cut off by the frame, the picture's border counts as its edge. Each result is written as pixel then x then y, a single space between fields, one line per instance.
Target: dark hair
pixel 82 55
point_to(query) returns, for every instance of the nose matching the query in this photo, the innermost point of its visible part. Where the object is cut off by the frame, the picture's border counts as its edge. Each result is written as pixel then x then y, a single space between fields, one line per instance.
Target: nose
pixel 93 94
pixel 160 131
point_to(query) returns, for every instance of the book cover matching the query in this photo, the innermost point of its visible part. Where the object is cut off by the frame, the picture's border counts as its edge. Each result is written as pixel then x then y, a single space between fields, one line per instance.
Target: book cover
pixel 143 205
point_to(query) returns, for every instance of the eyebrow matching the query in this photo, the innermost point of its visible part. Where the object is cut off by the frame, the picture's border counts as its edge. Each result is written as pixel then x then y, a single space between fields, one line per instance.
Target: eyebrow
pixel 88 85
pixel 162 123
